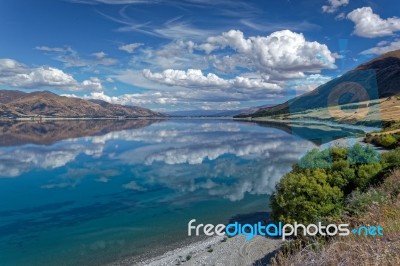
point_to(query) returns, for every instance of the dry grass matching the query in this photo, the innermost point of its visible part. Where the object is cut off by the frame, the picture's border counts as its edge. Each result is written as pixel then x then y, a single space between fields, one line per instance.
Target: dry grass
pixel 358 250
pixel 384 109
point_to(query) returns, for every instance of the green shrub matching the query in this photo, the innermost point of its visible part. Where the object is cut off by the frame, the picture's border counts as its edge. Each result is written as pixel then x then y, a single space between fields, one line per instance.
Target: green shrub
pixel 315 189
pixel 317 159
pixel 339 153
pixel 388 141
pixel 391 158
pixel 305 198
pixel 341 174
pixel 365 175
pixel 359 154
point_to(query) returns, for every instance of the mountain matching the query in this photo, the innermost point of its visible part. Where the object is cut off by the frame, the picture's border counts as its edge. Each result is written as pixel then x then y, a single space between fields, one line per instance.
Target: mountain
pixel 7 96
pixel 203 113
pixel 215 113
pixel 125 110
pixel 376 79
pixel 194 113
pixel 17 104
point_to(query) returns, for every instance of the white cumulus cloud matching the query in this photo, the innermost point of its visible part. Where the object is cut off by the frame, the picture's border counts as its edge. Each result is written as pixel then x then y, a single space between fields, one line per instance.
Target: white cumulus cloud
pixel 40 77
pixel 196 78
pixel 92 84
pixel 383 47
pixel 10 67
pixel 280 55
pixel 334 5
pixel 15 74
pixel 131 99
pixel 371 25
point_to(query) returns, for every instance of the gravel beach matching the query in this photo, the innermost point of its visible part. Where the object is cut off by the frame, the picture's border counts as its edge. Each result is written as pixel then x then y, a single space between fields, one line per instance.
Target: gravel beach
pixel 216 251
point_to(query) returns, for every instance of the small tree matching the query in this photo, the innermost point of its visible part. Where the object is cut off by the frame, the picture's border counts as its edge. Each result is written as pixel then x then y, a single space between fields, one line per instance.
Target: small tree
pixel 365 174
pixel 388 141
pixel 317 159
pixel 391 158
pixel 305 198
pixel 311 194
pixel 359 154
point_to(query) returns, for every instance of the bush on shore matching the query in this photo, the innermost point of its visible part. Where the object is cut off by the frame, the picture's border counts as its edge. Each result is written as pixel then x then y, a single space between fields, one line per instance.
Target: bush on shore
pixel 377 206
pixel 316 187
pixel 356 186
pixel 385 140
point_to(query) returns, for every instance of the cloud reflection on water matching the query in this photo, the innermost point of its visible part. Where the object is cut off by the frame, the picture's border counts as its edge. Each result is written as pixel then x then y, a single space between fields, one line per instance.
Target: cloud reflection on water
pixel 214 158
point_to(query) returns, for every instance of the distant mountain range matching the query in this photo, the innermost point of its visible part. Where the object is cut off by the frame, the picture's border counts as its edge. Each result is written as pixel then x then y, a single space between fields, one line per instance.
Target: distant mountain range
pixel 202 113
pixel 215 113
pixel 379 78
pixel 18 104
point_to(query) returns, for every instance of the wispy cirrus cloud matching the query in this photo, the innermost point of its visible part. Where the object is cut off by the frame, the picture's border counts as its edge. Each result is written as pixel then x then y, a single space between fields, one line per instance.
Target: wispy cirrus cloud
pixel 212 71
pixel 113 2
pixel 281 25
pixel 172 29
pixel 226 7
pixel 197 65
pixel 177 29
pixel 70 57
pixel 180 54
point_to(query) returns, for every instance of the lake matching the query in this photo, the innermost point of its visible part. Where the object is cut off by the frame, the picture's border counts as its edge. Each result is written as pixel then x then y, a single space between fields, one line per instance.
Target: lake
pixel 94 192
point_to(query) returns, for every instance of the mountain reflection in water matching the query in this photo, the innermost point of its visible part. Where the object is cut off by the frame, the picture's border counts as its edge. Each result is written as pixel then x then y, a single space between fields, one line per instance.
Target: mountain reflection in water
pixel 90 192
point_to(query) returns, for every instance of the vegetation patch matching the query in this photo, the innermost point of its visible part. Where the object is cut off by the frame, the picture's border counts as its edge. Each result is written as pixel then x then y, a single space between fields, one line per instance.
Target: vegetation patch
pixel 385 140
pixel 338 185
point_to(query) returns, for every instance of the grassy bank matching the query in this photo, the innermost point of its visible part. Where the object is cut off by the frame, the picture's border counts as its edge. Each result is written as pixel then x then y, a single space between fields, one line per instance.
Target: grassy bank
pixel 355 186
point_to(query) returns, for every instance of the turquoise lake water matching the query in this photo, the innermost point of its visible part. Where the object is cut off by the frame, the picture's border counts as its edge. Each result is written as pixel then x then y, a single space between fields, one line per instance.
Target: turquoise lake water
pixel 97 199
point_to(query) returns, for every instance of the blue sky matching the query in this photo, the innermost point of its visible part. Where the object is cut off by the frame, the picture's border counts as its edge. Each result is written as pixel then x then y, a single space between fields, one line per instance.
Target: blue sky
pixel 189 54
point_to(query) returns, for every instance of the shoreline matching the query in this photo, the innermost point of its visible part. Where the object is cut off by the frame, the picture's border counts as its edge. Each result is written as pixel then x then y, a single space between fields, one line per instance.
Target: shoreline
pixel 216 250
pixel 219 250
pixel 365 128
pixel 44 119
pixel 35 119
